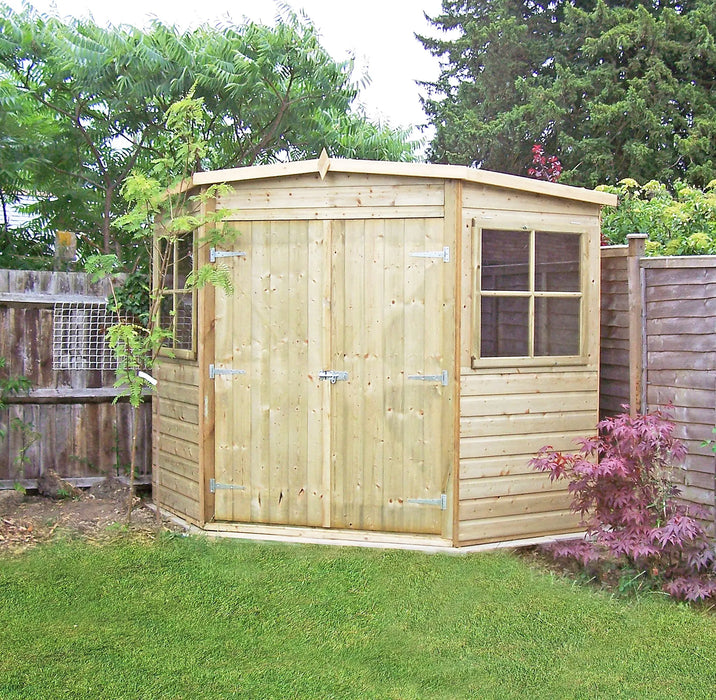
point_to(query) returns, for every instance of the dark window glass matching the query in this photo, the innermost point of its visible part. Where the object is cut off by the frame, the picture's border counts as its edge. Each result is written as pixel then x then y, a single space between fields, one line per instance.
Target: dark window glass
pixel 556 326
pixel 505 260
pixel 504 327
pixel 557 262
pixel 184 314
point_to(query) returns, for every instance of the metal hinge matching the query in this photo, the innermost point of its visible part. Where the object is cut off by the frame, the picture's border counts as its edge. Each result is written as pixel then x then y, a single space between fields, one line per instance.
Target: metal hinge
pixel 333 376
pixel 442 377
pixel 213 371
pixel 442 501
pixel 214 486
pixel 444 254
pixel 214 254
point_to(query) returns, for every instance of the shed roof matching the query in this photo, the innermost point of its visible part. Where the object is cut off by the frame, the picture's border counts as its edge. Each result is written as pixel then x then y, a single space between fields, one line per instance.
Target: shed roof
pixel 425 170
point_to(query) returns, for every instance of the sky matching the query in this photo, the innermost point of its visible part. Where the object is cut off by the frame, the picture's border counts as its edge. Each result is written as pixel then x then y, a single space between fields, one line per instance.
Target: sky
pixel 379 34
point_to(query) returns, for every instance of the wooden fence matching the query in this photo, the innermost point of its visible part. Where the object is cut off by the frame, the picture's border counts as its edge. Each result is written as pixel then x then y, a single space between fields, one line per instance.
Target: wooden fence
pixel 659 348
pixel 71 424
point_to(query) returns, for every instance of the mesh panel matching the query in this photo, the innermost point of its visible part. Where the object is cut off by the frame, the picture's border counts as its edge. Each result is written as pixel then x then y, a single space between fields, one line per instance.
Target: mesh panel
pixel 79 336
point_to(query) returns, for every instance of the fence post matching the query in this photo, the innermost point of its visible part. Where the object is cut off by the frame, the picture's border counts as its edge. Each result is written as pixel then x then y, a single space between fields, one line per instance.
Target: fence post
pixel 637 246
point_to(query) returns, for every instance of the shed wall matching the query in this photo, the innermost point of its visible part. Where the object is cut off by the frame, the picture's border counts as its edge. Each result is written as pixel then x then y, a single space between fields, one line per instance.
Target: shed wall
pixel 507 414
pixel 176 482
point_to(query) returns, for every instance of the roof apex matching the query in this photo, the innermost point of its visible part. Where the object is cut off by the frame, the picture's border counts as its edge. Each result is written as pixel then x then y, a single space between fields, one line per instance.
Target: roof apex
pixel 324 164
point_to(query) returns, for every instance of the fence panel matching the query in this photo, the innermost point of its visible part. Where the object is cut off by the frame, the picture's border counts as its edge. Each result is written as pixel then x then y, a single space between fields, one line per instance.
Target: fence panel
pixel 71 423
pixel 676 298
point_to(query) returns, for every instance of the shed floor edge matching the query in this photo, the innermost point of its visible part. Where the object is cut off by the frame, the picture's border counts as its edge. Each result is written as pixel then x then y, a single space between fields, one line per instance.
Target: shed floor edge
pixel 428 544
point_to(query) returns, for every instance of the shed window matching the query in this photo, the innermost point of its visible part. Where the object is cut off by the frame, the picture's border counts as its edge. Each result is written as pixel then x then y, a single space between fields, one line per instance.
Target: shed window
pixel 528 292
pixel 177 306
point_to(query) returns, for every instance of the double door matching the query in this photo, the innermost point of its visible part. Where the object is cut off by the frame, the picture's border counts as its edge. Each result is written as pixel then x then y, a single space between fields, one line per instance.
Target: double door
pixel 333 375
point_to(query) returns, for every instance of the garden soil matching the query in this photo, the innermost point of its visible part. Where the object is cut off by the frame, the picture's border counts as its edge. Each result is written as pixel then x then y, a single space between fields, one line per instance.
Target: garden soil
pixel 97 514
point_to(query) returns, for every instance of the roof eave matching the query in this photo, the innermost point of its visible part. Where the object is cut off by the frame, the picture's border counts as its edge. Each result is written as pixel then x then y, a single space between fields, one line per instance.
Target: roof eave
pixel 425 170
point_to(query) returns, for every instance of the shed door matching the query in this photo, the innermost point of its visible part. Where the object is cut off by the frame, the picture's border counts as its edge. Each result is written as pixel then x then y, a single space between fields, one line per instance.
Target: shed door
pixel 270 430
pixel 366 297
pixel 389 444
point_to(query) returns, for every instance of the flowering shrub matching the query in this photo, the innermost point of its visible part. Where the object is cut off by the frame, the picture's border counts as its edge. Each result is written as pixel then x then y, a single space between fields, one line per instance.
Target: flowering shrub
pixel 623 488
pixel 680 220
pixel 544 167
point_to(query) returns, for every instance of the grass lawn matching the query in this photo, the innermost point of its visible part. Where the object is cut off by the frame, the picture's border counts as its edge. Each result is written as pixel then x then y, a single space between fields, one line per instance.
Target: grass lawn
pixel 193 618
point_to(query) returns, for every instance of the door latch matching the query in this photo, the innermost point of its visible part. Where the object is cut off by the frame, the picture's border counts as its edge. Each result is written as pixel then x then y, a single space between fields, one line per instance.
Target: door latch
pixel 333 376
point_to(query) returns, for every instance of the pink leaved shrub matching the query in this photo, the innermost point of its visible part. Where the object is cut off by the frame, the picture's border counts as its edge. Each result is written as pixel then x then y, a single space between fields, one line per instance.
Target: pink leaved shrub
pixel 622 485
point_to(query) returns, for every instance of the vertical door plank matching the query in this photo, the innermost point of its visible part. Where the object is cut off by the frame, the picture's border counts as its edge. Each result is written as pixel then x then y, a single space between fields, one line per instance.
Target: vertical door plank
pixel 240 384
pixel 416 392
pixel 373 381
pixel 260 370
pixel 316 314
pixel 297 386
pixel 277 379
pixel 394 371
pixel 339 340
pixel 224 401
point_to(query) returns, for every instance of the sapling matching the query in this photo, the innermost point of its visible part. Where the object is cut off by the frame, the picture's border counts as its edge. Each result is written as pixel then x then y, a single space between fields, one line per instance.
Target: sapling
pixel 622 485
pixel 161 212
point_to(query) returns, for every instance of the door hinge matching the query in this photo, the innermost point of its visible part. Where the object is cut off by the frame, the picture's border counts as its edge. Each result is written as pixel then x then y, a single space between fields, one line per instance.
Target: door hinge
pixel 442 501
pixel 214 486
pixel 442 377
pixel 214 372
pixel 444 254
pixel 333 376
pixel 215 254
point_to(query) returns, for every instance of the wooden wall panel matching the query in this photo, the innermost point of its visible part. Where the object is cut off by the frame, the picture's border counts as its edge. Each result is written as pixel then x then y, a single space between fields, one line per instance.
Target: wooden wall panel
pixel 176 481
pixel 339 196
pixel 505 418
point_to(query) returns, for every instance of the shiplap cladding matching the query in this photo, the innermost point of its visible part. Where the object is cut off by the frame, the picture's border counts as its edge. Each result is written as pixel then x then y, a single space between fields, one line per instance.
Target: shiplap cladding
pixel 508 413
pixel 367 268
pixel 175 476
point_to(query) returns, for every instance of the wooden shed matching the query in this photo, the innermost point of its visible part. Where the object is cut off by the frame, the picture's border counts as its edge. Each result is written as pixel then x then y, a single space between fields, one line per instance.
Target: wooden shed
pixel 401 340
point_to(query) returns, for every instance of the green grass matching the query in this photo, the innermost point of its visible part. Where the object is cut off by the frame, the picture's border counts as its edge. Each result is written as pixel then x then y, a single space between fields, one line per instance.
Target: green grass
pixel 192 618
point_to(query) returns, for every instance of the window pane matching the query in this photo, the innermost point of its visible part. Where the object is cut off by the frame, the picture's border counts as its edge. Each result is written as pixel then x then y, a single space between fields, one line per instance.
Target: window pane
pixel 504 327
pixel 505 260
pixel 166 249
pixel 556 326
pixel 185 259
pixel 165 313
pixel 184 314
pixel 557 262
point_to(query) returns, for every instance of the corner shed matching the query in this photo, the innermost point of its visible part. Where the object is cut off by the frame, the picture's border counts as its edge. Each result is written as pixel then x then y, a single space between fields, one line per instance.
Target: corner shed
pixel 401 340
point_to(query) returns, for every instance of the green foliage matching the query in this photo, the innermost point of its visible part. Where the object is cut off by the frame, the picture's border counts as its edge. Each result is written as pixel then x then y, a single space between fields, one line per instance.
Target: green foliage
pixel 10 385
pixel 85 105
pixel 681 221
pixel 614 90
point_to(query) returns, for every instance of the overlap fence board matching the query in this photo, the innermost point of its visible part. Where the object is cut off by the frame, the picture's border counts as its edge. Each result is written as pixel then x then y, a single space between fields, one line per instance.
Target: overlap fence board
pixel 72 424
pixel 677 366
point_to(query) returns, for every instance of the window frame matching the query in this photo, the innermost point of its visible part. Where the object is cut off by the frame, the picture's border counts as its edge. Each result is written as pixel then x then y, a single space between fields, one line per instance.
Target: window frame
pixel 168 350
pixel 541 224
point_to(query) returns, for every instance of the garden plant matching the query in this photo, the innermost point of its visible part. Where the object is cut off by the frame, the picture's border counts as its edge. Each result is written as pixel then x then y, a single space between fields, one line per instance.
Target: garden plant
pixel 623 486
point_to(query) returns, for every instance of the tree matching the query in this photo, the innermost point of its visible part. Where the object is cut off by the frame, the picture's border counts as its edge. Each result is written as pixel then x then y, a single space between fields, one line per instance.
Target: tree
pixel 614 90
pixel 158 198
pixel 271 93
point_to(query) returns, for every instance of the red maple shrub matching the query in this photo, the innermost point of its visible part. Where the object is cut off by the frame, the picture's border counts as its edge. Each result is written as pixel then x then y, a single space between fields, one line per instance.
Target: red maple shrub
pixel 622 485
pixel 544 167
